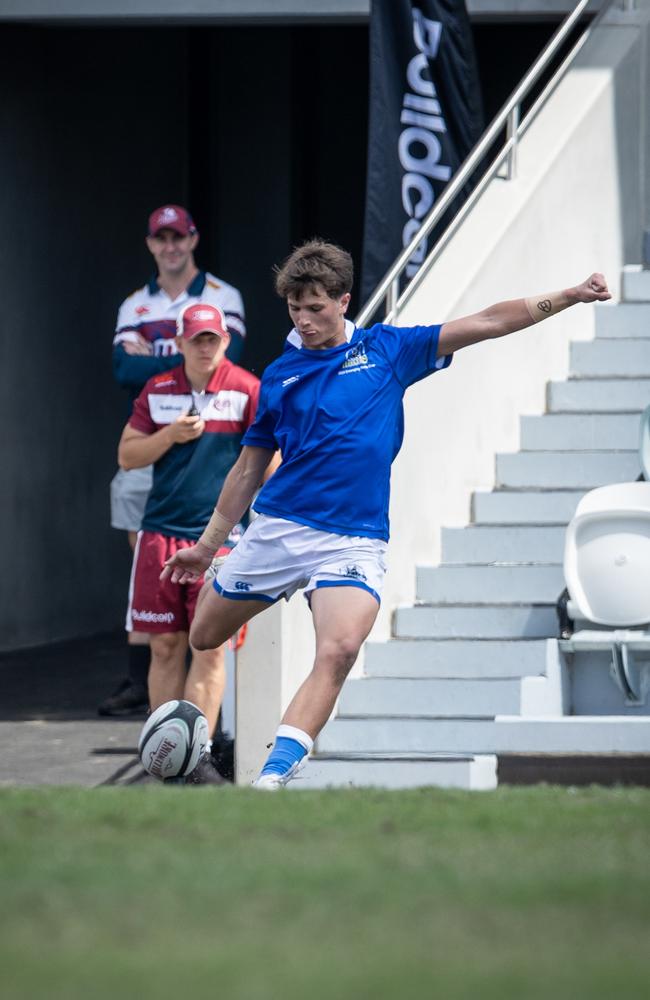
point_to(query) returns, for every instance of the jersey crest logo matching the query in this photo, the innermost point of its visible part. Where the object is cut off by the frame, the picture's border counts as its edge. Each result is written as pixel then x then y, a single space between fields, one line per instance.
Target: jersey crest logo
pixel 356 360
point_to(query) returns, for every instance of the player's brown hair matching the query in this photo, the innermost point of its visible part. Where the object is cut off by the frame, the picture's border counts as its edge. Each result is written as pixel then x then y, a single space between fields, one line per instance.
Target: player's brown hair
pixel 315 263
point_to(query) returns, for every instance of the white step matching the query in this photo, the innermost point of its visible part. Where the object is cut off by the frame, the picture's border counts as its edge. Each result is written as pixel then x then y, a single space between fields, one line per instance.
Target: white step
pixel 436 698
pixel 473 773
pixel 627 320
pixel 489 584
pixel 580 432
pixel 566 470
pixel 496 621
pixel 608 358
pixel 635 286
pixel 529 507
pixel 457 658
pixel 562 734
pixel 495 544
pixel 607 395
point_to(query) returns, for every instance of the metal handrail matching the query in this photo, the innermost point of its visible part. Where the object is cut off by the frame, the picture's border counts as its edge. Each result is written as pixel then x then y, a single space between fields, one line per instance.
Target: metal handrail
pixel 508 117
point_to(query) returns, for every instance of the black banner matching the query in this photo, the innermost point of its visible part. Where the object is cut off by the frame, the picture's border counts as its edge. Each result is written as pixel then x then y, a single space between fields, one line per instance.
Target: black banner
pixel 425 117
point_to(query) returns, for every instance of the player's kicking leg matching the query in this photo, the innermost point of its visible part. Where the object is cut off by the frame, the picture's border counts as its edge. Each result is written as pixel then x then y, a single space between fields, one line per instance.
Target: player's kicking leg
pixel 343 617
pixel 217 618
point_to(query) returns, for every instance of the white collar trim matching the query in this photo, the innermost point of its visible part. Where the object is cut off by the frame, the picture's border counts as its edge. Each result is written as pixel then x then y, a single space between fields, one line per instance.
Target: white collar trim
pixel 295 341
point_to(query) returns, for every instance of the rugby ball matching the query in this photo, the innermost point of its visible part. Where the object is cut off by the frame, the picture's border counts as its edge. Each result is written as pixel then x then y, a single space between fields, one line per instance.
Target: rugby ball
pixel 173 739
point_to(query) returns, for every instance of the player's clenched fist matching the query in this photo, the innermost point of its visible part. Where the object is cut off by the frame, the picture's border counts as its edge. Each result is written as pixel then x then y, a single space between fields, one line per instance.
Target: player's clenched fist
pixel 186 428
pixel 594 289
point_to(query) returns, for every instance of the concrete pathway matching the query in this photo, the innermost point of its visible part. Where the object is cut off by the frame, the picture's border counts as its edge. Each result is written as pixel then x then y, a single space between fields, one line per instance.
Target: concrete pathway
pixel 50 733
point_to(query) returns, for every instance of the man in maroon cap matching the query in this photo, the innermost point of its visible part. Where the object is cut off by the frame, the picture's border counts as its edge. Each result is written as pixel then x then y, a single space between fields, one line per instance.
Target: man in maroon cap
pixel 145 345
pixel 188 423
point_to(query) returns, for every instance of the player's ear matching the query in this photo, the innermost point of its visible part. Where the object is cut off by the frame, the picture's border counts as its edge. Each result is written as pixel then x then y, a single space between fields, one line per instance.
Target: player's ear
pixel 194 242
pixel 179 344
pixel 344 302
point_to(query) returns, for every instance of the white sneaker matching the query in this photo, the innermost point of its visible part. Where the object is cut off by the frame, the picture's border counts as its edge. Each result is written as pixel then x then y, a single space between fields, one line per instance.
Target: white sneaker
pixel 272 782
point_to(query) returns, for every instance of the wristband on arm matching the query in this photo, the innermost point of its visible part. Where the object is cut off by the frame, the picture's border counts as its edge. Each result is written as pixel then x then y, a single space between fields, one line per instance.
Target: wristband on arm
pixel 542 306
pixel 216 532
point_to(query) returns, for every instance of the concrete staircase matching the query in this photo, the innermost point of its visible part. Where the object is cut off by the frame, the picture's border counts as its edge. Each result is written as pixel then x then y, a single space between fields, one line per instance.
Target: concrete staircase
pixel 473 670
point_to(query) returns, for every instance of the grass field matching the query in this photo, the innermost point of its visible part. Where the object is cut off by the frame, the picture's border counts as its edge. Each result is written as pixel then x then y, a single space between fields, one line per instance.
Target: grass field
pixel 137 893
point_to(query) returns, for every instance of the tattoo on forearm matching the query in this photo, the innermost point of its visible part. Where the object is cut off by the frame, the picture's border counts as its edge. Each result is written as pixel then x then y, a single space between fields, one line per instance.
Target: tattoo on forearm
pixel 546 305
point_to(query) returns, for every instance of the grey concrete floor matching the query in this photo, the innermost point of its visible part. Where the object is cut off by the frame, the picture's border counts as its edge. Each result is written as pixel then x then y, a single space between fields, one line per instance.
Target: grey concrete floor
pixel 50 733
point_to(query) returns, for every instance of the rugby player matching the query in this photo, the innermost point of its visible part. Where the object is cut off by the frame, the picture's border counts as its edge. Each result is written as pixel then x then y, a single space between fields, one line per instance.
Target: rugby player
pixel 332 403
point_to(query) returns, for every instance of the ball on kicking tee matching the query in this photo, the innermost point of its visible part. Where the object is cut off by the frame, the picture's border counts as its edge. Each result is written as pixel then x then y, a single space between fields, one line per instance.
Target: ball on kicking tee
pixel 173 739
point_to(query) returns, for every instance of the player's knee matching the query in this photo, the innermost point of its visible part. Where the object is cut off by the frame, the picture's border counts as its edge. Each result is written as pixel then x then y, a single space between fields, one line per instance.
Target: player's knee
pixel 338 656
pixel 202 637
pixel 166 648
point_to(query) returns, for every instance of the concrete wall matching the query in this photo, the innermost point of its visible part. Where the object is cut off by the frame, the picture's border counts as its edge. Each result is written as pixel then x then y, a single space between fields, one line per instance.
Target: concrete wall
pixel 254 10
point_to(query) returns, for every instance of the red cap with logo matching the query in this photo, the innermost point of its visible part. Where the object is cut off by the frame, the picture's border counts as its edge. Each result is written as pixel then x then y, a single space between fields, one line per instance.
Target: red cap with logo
pixel 200 318
pixel 171 217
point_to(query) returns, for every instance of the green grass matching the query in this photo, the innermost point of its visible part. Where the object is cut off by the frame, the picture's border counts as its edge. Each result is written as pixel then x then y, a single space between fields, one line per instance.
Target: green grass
pixel 524 893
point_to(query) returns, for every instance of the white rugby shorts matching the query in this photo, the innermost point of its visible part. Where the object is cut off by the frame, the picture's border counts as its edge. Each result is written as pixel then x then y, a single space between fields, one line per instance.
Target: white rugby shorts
pixel 276 557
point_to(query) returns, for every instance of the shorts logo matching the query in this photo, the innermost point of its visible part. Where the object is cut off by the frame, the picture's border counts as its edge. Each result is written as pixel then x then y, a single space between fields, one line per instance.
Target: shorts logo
pixel 355 572
pixel 153 617
pixel 242 585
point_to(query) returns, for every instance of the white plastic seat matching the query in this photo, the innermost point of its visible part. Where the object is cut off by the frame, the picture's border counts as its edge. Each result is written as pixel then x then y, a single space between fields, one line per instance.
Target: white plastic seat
pixel 607 573
pixel 607 556
pixel 644 444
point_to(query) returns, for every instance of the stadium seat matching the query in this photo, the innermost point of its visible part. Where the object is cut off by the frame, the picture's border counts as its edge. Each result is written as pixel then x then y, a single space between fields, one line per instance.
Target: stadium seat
pixel 607 573
pixel 644 444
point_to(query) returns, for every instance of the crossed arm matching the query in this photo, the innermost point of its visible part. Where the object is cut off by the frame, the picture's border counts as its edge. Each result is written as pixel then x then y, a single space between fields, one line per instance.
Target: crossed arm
pixel 516 314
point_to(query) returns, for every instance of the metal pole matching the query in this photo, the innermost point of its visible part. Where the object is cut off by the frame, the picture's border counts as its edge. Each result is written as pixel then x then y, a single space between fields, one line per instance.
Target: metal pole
pixel 511 134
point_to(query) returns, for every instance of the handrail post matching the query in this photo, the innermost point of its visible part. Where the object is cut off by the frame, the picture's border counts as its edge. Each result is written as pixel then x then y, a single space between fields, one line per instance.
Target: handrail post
pixel 512 127
pixel 392 295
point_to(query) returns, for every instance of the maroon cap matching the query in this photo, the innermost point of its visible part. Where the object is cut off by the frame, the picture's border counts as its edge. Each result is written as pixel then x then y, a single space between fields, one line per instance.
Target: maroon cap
pixel 171 217
pixel 200 318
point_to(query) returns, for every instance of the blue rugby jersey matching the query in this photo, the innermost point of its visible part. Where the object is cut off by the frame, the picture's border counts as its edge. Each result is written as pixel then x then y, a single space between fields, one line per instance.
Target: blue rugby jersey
pixel 337 417
pixel 188 477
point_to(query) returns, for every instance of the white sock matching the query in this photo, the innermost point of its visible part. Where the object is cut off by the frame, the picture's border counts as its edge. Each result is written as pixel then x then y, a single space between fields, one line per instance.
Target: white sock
pixel 296 734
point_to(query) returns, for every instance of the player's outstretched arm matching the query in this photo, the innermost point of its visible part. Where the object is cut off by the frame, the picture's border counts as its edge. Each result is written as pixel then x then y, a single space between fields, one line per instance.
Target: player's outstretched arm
pixel 243 480
pixel 517 314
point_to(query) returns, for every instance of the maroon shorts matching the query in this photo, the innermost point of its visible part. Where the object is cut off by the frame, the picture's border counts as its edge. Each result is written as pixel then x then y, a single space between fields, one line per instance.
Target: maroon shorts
pixel 157 605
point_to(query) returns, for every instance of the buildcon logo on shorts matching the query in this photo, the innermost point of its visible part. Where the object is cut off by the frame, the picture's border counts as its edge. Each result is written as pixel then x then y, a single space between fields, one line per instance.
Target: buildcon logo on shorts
pixel 153 617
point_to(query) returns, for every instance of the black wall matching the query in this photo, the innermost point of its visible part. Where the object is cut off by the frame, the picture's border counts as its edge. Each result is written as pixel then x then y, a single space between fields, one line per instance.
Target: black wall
pixel 262 133
pixel 80 117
